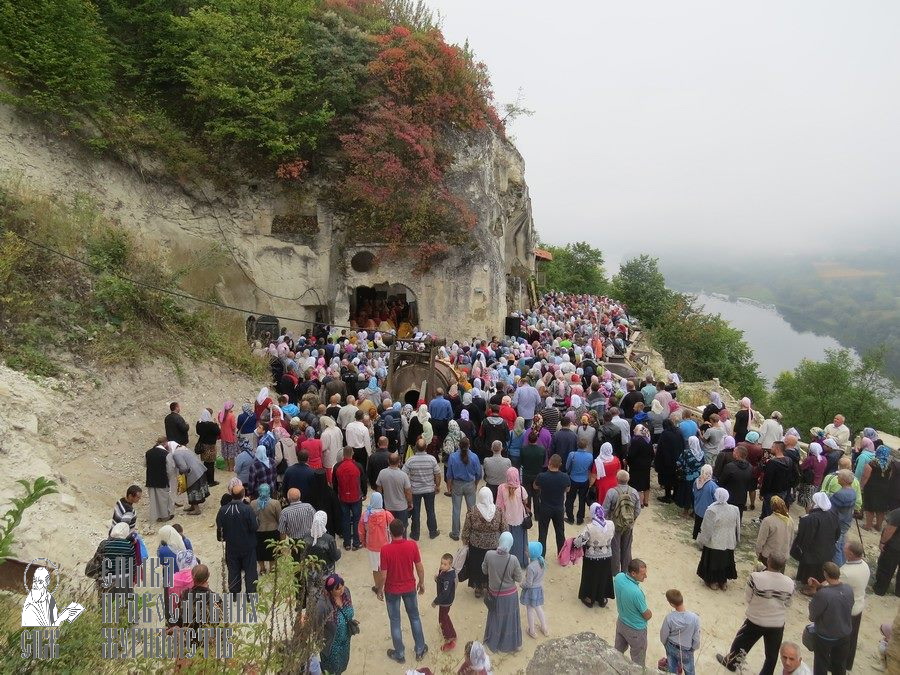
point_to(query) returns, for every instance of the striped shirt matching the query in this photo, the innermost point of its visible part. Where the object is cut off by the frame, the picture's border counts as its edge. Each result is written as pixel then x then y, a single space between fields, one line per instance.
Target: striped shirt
pixel 296 520
pixel 422 469
pixel 124 513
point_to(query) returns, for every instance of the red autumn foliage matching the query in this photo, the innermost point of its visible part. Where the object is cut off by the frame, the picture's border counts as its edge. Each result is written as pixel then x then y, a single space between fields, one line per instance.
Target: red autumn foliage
pixel 439 82
pixel 294 170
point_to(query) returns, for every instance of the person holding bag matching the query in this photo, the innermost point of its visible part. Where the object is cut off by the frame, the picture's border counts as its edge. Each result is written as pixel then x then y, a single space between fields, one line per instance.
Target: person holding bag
pixel 503 630
pixel 515 503
pixel 334 611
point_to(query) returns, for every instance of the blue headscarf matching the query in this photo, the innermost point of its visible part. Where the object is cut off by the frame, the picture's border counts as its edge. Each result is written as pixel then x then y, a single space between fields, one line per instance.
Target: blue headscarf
pixel 506 542
pixel 883 456
pixel 262 455
pixel 535 551
pixel 264 492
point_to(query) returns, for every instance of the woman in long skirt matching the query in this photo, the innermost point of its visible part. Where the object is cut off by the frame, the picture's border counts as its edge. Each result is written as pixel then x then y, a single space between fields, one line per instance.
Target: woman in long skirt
pixel 503 630
pixel 481 533
pixel 719 536
pixel 596 570
pixel 688 469
pixel 513 500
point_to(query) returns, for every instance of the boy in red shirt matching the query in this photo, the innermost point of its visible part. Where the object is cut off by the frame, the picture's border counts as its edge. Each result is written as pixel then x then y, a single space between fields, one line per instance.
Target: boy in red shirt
pixel 349 482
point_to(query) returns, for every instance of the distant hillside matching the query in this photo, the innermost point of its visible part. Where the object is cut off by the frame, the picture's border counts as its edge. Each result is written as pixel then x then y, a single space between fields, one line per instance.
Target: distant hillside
pixel 856 299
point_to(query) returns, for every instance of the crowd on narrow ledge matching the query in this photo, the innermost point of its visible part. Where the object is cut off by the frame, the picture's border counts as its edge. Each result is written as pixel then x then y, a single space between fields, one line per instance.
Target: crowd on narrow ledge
pixel 537 431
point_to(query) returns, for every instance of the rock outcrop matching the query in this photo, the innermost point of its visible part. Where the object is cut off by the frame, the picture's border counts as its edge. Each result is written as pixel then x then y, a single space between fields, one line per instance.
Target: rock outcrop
pixel 303 270
pixel 580 654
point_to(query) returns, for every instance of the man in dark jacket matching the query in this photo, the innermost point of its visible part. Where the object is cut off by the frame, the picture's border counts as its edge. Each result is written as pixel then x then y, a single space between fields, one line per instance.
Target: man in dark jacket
pixel 176 427
pixel 493 428
pixel 778 478
pixel 378 460
pixel 564 441
pixel 737 478
pixel 627 403
pixel 236 525
pixel 157 482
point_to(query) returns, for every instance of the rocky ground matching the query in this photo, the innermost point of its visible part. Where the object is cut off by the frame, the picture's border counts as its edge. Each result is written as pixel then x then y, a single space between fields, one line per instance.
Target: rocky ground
pixel 90 433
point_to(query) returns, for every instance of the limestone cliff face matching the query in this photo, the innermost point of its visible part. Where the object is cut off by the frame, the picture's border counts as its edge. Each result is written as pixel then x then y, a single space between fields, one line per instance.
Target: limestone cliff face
pixel 276 270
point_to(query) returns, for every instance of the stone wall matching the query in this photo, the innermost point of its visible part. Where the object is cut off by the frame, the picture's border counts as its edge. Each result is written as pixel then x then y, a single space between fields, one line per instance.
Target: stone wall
pixel 465 293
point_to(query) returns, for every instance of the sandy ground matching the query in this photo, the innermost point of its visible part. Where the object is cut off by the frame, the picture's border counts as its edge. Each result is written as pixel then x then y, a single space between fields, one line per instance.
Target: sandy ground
pixel 91 433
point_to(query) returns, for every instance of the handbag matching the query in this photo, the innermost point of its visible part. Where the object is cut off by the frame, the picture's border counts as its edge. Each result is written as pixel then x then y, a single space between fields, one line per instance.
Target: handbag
pixel 809 637
pixel 527 521
pixel 490 600
pixel 352 624
pixel 182 483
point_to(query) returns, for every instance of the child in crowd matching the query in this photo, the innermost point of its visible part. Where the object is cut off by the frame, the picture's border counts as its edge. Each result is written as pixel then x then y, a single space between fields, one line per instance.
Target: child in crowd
pixel 446 592
pixel 680 634
pixel 533 589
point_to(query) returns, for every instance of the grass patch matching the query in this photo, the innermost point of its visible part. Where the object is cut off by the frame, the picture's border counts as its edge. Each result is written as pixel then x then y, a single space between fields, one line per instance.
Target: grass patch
pixel 50 304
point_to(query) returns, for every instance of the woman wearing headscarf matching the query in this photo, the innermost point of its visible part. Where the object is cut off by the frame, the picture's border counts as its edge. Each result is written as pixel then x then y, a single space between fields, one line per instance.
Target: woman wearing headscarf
pixel 476 414
pixel 118 546
pixel 776 532
pixel 669 447
pixel 481 533
pixel 417 428
pixel 332 444
pixel 451 440
pixel 640 459
pixel 704 489
pixel 262 471
pixel 334 612
pixel 687 467
pixel 596 571
pixel 516 441
pixel 267 511
pixel 513 500
pixel 371 393
pixel 323 545
pixel 228 434
pixel 812 471
pixel 719 536
pixel 876 488
pixel 655 419
pixel 261 406
pixel 208 434
pixel 246 427
pixel 466 427
pixel 813 546
pixel 604 470
pixel 476 662
pixel 374 532
pixel 172 547
pixel 503 629
pixel 188 463
pixel 742 420
pixel 866 455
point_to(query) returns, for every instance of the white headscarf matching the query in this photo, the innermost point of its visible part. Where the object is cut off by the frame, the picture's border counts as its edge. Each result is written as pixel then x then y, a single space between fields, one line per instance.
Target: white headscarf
pixel 170 537
pixel 172 445
pixel 816 450
pixel 205 416
pixel 422 413
pixel 831 443
pixel 606 455
pixel 821 500
pixel 721 495
pixel 262 395
pixel 694 447
pixel 320 520
pixel 576 401
pixel 484 502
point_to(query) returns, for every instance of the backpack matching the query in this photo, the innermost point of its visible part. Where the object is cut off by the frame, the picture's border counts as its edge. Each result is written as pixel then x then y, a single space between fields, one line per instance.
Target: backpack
pixel 623 511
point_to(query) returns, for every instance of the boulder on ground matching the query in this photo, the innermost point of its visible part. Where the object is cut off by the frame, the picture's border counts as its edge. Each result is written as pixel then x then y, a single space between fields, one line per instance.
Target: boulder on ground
pixel 579 654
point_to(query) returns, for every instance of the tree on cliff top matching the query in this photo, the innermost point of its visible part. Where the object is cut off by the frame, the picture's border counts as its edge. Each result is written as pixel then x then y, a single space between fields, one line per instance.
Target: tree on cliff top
pixel 576 268
pixel 642 287
pixel 815 391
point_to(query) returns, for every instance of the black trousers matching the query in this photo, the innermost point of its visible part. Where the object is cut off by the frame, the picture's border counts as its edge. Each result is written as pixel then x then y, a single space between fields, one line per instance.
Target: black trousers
pixel 241 562
pixel 854 639
pixel 888 568
pixel 210 472
pixel 545 517
pixel 830 656
pixel 576 490
pixel 749 634
pixel 361 457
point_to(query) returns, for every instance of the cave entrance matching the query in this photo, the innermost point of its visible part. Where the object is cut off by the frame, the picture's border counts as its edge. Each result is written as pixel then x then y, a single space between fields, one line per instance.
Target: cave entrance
pixel 384 307
pixel 411 398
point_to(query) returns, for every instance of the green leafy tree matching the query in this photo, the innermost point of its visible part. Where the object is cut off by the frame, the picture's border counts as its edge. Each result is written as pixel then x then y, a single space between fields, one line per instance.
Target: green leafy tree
pixel 250 75
pixel 34 492
pixel 815 391
pixel 58 52
pixel 576 268
pixel 642 287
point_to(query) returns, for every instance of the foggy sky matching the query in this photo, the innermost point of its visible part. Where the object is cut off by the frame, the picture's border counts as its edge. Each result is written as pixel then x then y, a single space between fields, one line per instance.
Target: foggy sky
pixel 660 122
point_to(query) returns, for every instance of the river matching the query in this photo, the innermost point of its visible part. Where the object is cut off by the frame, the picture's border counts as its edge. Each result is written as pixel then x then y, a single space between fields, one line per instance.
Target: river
pixel 776 345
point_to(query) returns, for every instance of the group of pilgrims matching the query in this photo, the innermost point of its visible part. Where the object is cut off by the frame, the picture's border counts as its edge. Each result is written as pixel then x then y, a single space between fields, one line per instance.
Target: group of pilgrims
pixel 541 420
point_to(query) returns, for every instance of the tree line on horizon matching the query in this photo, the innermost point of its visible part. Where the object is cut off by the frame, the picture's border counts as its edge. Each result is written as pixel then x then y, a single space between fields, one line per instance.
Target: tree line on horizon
pixel 701 346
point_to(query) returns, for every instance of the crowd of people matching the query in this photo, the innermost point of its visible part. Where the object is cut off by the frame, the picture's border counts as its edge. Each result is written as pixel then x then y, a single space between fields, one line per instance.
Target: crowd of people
pixel 534 425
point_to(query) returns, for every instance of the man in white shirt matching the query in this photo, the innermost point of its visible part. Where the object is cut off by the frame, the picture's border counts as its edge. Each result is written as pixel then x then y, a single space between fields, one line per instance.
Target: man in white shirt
pixel 791 662
pixel 855 573
pixel 359 439
pixel 347 413
pixel 839 432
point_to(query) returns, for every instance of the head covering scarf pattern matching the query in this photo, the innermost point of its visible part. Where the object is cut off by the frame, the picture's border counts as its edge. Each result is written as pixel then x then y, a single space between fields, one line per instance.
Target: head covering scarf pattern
pixel 883 456
pixel 320 520
pixel 695 449
pixel 597 514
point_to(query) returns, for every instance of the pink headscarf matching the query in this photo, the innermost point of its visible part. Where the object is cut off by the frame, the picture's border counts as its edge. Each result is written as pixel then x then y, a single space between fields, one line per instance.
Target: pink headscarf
pixel 228 406
pixel 512 477
pixel 673 406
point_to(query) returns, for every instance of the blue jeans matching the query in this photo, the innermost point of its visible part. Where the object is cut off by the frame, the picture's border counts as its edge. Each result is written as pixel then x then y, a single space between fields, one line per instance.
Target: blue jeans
pixel 461 490
pixel 392 600
pixel 679 656
pixel 839 545
pixel 351 519
pixel 430 518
